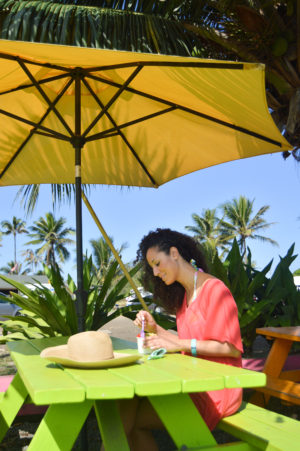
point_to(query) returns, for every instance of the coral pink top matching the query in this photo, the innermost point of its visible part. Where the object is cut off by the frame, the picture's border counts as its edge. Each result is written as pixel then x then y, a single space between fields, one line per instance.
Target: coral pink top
pixel 213 315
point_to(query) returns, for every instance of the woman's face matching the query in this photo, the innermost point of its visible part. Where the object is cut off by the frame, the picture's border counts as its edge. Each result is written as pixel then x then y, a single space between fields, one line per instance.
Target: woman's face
pixel 163 265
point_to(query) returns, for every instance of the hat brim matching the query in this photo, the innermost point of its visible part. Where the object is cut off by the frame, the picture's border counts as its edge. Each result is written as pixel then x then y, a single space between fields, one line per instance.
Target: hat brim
pixel 59 354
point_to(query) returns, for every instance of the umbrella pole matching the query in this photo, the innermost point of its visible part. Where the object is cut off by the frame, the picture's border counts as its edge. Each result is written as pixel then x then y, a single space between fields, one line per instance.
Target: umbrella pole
pixel 81 295
pixel 78 143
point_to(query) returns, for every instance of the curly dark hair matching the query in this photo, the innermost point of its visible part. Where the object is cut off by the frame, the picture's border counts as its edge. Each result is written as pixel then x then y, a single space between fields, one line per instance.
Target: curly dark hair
pixel 169 296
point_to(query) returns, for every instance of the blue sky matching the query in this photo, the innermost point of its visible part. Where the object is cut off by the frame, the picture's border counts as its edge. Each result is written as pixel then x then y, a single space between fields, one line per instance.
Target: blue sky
pixel 129 213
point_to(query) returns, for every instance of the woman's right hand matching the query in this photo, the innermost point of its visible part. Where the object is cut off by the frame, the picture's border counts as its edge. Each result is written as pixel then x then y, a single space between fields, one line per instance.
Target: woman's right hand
pixel 149 322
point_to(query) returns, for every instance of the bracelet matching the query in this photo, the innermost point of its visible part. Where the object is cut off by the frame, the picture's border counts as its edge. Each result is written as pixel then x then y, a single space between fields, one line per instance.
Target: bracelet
pixel 194 347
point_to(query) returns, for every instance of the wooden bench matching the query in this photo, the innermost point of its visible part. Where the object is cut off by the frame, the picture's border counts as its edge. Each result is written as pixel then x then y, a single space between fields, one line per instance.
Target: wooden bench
pixel 282 382
pixel 263 429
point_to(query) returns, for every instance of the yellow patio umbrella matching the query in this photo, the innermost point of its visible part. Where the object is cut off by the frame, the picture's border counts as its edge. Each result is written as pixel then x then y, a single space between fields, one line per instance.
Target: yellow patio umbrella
pixel 73 114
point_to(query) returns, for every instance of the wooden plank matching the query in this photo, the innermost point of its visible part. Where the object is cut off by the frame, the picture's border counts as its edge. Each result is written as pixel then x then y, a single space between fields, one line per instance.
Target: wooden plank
pixel 102 384
pixel 290 375
pixel 283 389
pixel 37 344
pixel 110 425
pixel 273 367
pixel 277 357
pixel 46 382
pixel 263 428
pixel 193 379
pixel 187 430
pixel 148 380
pixel 233 377
pixel 11 402
pixel 289 333
pixel 60 427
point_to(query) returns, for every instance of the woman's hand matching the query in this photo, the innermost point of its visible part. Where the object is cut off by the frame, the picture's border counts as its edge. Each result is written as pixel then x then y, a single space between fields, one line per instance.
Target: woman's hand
pixel 171 342
pixel 150 324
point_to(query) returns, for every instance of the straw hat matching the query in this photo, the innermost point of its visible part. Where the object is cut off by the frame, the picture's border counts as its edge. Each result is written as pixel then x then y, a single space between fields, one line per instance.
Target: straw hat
pixel 92 349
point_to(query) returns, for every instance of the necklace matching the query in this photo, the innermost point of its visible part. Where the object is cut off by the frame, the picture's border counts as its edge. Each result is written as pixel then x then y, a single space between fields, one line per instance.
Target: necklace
pixel 195 286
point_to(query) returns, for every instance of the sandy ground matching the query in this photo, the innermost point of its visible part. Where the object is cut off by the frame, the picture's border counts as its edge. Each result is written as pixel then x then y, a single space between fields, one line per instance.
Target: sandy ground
pixel 121 327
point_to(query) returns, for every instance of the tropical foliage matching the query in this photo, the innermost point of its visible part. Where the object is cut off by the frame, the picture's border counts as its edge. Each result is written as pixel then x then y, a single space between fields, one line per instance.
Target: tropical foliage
pixel 207 230
pixel 261 300
pixel 103 258
pixel 53 238
pixel 32 260
pixel 243 224
pixel 14 228
pixel 132 26
pixel 238 220
pixel 254 31
pixel 50 312
pixel 13 268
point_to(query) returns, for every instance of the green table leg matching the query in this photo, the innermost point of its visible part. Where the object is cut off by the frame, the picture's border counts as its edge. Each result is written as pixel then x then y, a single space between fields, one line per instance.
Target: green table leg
pixel 10 404
pixel 110 425
pixel 182 421
pixel 60 427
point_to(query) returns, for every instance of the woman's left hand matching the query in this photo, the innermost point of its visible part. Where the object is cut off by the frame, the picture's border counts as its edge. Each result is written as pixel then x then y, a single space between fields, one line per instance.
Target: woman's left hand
pixel 170 344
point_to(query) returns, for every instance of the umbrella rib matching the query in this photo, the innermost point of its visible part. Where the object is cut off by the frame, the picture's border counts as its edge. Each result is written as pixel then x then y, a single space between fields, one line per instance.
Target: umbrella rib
pixel 35 63
pixel 52 135
pixel 113 99
pixel 28 137
pixel 189 110
pixel 118 128
pixel 45 97
pixel 36 127
pixel 206 64
pixel 30 85
pixel 129 123
pixel 203 65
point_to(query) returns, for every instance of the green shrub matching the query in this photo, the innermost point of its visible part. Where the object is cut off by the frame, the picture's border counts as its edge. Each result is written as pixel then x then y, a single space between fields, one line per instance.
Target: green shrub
pixel 50 312
pixel 261 301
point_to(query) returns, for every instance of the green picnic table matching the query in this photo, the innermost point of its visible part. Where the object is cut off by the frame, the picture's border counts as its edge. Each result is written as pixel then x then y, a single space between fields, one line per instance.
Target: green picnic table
pixel 72 393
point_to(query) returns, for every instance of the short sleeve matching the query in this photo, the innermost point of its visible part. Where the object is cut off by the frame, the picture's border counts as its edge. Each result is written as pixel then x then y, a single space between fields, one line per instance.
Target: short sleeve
pixel 221 314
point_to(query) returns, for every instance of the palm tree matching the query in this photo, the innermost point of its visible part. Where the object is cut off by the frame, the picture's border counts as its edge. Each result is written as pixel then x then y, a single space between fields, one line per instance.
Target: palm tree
pixel 32 259
pixel 15 227
pixel 13 268
pixel 103 258
pixel 53 238
pixel 207 231
pixel 243 224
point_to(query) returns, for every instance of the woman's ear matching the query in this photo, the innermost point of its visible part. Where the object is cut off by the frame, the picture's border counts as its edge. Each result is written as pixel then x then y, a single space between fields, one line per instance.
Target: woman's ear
pixel 174 252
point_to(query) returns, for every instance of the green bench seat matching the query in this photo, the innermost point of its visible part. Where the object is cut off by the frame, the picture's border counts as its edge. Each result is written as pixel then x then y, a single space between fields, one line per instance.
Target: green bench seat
pixel 263 429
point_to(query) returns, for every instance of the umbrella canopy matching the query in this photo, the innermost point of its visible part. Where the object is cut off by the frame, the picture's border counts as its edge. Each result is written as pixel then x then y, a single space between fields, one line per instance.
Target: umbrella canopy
pixel 142 119
pixel 125 118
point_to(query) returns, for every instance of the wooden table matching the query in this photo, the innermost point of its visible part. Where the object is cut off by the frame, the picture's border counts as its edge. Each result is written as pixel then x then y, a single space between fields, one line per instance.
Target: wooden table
pixel 72 393
pixel 282 384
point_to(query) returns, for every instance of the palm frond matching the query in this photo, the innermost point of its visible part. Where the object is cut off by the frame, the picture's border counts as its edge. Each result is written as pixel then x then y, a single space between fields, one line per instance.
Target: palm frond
pixel 59 22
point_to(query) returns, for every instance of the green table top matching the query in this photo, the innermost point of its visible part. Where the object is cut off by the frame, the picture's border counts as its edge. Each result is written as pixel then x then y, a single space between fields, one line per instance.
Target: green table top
pixel 50 383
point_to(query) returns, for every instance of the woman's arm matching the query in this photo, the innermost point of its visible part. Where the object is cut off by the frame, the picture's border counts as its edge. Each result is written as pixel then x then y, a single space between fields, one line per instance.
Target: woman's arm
pixel 172 343
pixel 211 348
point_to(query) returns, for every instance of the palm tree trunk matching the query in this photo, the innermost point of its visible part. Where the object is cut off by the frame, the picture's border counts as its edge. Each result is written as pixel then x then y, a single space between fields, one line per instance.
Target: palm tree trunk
pixel 15 248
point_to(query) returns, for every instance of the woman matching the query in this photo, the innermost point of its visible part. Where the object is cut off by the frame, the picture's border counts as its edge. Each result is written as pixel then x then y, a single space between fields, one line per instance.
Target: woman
pixel 207 325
